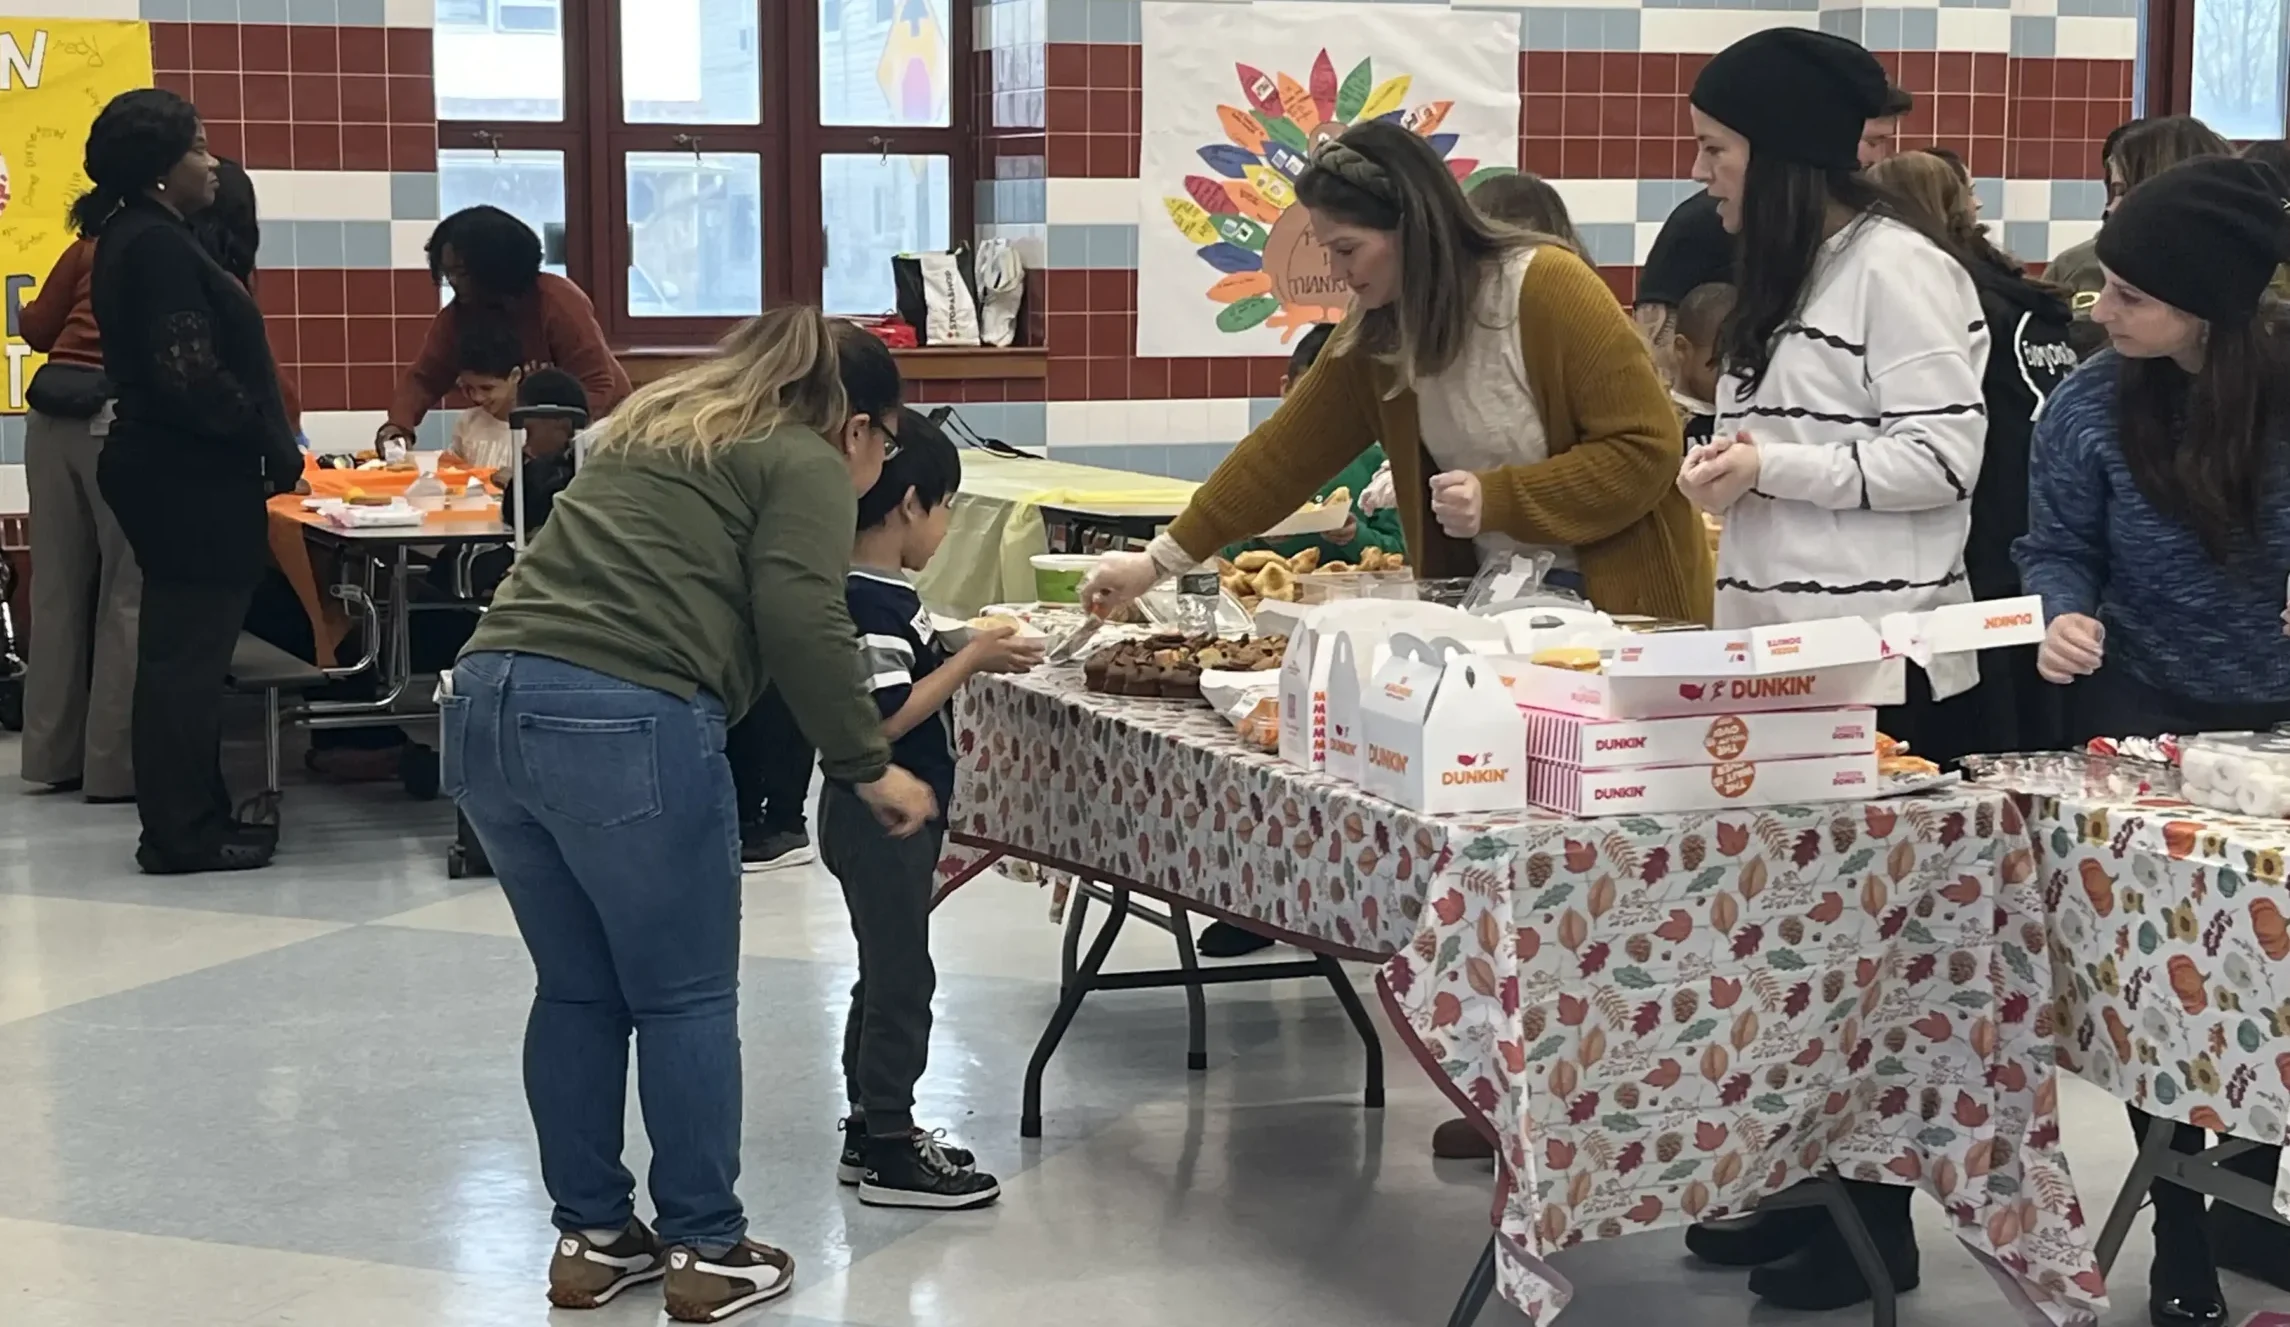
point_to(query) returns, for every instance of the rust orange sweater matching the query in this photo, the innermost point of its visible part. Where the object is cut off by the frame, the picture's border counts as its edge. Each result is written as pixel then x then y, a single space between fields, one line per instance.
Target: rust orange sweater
pixel 1609 488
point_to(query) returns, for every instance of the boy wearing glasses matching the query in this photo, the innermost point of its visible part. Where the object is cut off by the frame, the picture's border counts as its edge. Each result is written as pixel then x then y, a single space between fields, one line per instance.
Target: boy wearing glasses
pixel 886 881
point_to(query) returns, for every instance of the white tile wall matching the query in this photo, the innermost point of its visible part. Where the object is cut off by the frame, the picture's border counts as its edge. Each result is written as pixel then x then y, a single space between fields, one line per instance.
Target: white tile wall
pixel 333 195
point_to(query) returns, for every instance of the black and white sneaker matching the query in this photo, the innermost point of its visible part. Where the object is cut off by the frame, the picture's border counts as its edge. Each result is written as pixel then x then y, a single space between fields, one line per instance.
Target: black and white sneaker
pixel 775 850
pixel 851 1167
pixel 916 1171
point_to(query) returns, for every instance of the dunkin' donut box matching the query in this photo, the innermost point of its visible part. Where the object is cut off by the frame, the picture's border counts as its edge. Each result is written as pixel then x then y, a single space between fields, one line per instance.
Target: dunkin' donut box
pixel 1596 744
pixel 1706 787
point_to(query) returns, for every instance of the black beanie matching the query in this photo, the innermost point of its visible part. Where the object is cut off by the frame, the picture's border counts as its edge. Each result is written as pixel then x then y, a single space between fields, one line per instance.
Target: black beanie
pixel 1795 94
pixel 1692 250
pixel 2203 237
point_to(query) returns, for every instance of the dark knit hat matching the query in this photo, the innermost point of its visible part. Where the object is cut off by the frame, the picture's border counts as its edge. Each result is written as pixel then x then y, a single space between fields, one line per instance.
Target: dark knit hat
pixel 1795 94
pixel 1692 250
pixel 2204 236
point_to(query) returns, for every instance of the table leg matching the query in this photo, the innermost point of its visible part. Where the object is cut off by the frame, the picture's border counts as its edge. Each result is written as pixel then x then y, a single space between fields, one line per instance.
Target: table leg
pixel 1884 1300
pixel 1069 1003
pixel 1361 1023
pixel 2155 1156
pixel 1477 1290
pixel 1069 953
pixel 1196 1003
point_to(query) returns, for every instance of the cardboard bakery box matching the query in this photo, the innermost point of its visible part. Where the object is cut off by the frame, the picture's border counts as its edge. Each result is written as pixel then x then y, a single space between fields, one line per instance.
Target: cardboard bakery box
pixel 1675 788
pixel 1440 734
pixel 1984 624
pixel 1371 623
pixel 1601 744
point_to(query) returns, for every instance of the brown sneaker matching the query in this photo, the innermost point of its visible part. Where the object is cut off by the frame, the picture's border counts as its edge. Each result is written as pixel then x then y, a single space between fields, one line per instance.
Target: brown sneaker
pixel 1460 1140
pixel 586 1275
pixel 703 1289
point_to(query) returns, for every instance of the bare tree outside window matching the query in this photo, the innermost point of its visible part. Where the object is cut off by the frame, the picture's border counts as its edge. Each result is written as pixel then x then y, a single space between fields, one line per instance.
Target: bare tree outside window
pixel 2239 66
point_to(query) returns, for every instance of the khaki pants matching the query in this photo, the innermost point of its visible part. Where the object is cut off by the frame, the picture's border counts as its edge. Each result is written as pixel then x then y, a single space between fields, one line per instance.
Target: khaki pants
pixel 86 597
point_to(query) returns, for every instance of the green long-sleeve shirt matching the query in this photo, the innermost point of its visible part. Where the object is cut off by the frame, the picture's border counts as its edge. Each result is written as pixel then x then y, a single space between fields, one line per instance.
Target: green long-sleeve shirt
pixel 724 576
pixel 1378 531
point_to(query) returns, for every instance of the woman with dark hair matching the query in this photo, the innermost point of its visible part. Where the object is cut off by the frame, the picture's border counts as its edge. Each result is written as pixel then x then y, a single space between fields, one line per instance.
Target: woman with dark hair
pixel 2157 536
pixel 1849 438
pixel 697 558
pixel 230 230
pixel 80 677
pixel 200 440
pixel 2137 151
pixel 2030 356
pixel 1517 406
pixel 492 261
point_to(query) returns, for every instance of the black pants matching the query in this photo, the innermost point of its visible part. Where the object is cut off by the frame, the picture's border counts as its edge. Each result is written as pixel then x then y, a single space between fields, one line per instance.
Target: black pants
pixel 182 658
pixel 771 767
pixel 2112 703
pixel 886 886
pixel 1941 731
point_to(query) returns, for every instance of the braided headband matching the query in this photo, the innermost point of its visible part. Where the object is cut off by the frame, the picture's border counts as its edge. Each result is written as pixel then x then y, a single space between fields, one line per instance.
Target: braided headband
pixel 1353 167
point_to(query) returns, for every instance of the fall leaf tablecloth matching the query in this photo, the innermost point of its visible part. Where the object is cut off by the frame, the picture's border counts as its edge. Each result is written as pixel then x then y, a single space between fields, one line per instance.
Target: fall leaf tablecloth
pixel 1662 1018
pixel 2169 943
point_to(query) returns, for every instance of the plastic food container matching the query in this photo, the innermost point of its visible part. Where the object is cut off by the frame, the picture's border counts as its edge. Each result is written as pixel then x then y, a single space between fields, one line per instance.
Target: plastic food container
pixel 1058 576
pixel 2247 773
pixel 1327 587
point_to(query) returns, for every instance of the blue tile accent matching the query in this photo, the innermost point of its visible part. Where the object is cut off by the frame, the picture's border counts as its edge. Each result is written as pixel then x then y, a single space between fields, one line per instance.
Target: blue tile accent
pixel 1562 29
pixel 1196 460
pixel 2078 200
pixel 1611 243
pixel 1844 23
pixel 2032 35
pixel 2098 9
pixel 1115 21
pixel 2028 241
pixel 1260 409
pixel 313 11
pixel 1880 29
pixel 263 11
pixel 11 439
pixel 166 11
pixel 214 11
pixel 1991 195
pixel 366 244
pixel 1068 247
pixel 319 244
pixel 1919 30
pixel 360 13
pixel 1657 199
pixel 1112 246
pixel 1068 20
pixel 413 196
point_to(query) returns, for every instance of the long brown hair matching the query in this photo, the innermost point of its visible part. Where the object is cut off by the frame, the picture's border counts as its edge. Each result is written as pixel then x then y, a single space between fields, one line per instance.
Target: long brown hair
pixel 2150 147
pixel 2202 446
pixel 1528 201
pixel 1382 176
pixel 1934 192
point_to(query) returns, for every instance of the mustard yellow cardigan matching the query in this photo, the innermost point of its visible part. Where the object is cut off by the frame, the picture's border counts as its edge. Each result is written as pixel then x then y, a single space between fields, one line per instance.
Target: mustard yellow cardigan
pixel 1608 490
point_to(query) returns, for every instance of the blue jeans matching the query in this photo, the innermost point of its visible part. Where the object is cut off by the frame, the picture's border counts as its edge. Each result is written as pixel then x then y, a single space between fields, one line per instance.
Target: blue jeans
pixel 607 811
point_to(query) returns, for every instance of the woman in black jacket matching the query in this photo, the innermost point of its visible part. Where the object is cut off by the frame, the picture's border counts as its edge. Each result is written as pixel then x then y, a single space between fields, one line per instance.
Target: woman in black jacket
pixel 2028 356
pixel 200 440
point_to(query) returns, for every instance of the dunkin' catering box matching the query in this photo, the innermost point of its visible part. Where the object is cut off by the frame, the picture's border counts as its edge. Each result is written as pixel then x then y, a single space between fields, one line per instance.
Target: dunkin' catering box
pixel 1594 744
pixel 1718 787
pixel 1440 734
pixel 1833 663
pixel 1370 623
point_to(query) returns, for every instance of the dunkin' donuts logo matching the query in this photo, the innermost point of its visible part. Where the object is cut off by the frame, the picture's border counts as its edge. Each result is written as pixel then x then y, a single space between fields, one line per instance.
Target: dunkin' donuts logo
pixel 1796 686
pixel 2005 621
pixel 1626 791
pixel 1637 743
pixel 1476 768
pixel 1733 778
pixel 1383 757
pixel 1727 738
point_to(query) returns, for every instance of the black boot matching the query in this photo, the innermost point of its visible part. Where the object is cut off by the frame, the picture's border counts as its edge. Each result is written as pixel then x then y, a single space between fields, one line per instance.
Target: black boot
pixel 1822 1275
pixel 2182 1283
pixel 2246 1242
pixel 1755 1239
pixel 1225 940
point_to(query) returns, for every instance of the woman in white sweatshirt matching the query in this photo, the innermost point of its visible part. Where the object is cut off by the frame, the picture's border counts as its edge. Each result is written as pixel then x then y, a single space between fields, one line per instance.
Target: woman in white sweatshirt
pixel 1848 441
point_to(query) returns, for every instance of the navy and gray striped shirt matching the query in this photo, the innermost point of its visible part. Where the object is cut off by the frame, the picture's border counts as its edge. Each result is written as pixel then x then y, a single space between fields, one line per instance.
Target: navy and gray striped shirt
pixel 898 648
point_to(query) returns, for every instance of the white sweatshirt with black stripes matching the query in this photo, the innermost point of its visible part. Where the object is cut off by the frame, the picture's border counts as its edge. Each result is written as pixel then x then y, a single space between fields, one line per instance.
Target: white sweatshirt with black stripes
pixel 1869 427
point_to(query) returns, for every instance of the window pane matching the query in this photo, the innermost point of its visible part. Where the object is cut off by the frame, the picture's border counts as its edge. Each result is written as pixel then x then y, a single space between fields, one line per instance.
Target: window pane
pixel 2238 66
pixel 884 62
pixel 872 208
pixel 500 60
pixel 529 186
pixel 695 232
pixel 689 62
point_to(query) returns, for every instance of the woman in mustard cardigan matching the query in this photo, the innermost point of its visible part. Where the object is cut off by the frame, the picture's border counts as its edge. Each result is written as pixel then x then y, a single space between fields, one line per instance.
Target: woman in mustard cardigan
pixel 1518 406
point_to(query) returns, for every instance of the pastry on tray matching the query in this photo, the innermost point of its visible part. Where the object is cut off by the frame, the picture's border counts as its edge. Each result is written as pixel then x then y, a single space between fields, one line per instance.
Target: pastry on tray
pixel 1169 666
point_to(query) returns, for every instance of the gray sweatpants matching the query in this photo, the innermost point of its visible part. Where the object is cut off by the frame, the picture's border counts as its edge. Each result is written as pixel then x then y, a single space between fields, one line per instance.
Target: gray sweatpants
pixel 886 886
pixel 79 685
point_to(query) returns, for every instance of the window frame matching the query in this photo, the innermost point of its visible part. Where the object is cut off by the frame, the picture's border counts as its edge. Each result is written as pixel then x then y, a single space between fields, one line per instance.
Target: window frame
pixel 594 138
pixel 2170 55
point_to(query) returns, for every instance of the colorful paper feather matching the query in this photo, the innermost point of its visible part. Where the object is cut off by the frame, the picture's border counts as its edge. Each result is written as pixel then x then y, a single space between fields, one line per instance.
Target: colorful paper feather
pixel 1427 119
pixel 1228 161
pixel 1240 286
pixel 1208 193
pixel 1240 231
pixel 1354 93
pixel 1261 92
pixel 1247 313
pixel 1192 220
pixel 1297 104
pixel 1242 128
pixel 1232 258
pixel 1272 186
pixel 1387 97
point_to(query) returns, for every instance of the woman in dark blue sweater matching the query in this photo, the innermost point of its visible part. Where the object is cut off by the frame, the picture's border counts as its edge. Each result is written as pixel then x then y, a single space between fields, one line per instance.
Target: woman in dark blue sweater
pixel 2160 542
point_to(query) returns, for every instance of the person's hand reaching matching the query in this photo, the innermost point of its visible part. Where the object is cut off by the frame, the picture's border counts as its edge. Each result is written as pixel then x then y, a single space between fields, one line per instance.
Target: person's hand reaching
pixel 902 802
pixel 1001 650
pixel 1117 581
pixel 1378 495
pixel 1458 502
pixel 2075 644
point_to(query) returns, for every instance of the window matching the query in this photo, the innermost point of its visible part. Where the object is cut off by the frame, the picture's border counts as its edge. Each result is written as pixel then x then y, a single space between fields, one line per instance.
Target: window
pixel 2238 66
pixel 691 162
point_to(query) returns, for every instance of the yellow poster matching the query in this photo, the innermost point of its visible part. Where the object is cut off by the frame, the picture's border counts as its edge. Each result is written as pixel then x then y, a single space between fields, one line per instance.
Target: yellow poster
pixel 55 74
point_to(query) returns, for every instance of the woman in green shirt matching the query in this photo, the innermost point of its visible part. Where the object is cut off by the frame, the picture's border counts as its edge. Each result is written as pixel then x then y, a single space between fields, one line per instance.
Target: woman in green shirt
pixel 697 558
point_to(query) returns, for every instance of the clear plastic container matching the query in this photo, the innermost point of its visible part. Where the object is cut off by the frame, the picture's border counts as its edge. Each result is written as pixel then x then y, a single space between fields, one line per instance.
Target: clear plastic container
pixel 427 492
pixel 2073 774
pixel 1328 587
pixel 2248 773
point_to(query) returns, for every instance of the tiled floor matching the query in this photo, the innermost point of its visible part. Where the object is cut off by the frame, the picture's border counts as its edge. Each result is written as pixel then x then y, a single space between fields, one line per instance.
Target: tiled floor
pixel 290 1098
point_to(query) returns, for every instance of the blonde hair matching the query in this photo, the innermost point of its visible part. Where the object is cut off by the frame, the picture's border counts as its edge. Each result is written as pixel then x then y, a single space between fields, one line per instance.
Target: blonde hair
pixel 772 371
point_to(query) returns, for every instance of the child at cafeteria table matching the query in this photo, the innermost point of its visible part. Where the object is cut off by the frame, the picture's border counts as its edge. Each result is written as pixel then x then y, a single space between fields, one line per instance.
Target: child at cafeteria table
pixel 887 881
pixel 492 364
pixel 1694 346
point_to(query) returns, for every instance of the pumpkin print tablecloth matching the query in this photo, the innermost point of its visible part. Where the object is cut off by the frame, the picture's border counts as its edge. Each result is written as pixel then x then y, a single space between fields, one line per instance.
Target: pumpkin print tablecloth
pixel 2170 935
pixel 1663 1018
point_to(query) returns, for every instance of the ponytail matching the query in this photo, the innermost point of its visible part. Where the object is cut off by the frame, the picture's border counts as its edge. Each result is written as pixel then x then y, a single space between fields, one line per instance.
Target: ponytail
pixel 90 210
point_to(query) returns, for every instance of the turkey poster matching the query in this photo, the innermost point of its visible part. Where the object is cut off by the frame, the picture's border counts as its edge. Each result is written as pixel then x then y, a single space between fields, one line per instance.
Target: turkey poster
pixel 1237 96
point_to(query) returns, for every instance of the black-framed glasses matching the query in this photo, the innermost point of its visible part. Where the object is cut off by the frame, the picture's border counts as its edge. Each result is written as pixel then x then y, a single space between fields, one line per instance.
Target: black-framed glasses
pixel 890 436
